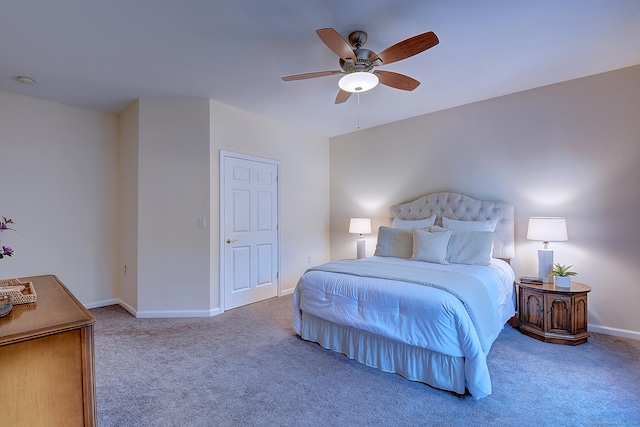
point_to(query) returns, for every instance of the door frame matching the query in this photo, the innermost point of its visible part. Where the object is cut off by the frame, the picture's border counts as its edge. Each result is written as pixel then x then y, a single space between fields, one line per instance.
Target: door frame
pixel 230 154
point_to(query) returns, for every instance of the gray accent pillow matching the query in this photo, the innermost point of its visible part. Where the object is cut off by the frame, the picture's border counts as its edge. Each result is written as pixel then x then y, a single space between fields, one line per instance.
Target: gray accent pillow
pixel 430 247
pixel 395 242
pixel 470 247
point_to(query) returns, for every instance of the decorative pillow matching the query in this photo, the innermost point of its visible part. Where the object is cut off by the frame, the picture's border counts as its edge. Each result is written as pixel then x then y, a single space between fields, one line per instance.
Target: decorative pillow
pixel 453 224
pixel 470 247
pixel 430 247
pixel 420 223
pixel 396 242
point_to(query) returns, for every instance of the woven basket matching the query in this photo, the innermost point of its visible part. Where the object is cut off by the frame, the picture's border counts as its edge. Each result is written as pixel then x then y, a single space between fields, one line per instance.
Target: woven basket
pixel 28 295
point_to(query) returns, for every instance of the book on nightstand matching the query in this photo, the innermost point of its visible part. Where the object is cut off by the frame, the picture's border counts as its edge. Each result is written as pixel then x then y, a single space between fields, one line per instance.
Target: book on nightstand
pixel 532 280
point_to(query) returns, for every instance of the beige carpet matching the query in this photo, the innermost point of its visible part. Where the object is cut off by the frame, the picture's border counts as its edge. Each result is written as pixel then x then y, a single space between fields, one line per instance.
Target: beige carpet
pixel 246 367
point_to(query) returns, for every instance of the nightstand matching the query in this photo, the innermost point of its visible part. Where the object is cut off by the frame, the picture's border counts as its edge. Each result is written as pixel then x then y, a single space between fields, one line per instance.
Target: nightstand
pixel 552 314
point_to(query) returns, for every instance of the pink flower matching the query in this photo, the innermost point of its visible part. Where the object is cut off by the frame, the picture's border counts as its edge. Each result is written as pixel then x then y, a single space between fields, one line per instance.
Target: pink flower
pixel 6 250
pixel 4 222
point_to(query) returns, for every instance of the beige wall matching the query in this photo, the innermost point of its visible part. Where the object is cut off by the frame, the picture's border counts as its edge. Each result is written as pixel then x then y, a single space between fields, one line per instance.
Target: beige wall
pixel 128 145
pixel 304 185
pixel 173 192
pixel 59 184
pixel 169 177
pixel 92 192
pixel 570 149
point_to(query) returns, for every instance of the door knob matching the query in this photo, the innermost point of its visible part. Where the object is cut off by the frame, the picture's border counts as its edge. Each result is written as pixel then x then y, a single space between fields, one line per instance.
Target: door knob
pixel 231 240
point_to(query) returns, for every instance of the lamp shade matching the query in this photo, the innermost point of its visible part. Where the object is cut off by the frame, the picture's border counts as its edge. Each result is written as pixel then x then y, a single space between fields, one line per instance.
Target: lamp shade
pixel 360 226
pixel 360 81
pixel 547 229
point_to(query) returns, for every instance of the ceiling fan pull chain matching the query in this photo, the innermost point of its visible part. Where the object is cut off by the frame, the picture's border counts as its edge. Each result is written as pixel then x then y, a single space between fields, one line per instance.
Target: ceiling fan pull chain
pixel 358 123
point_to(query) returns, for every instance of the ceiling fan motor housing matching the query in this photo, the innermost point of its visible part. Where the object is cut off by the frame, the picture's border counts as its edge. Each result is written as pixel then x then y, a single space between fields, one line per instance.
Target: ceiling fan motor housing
pixel 362 63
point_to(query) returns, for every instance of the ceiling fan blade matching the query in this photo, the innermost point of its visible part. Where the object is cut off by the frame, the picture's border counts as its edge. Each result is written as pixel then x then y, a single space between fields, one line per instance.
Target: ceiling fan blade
pixel 336 43
pixel 397 81
pixel 310 75
pixel 407 48
pixel 343 95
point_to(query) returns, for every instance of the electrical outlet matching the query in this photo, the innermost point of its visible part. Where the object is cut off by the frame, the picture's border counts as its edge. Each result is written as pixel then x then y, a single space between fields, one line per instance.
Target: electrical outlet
pixel 202 222
pixel 309 259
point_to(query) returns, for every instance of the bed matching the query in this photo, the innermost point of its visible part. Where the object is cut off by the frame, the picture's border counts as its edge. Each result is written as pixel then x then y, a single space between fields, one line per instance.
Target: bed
pixel 431 301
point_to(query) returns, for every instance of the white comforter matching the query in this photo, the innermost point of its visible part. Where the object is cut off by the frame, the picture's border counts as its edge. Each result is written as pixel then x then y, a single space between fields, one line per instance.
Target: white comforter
pixel 417 315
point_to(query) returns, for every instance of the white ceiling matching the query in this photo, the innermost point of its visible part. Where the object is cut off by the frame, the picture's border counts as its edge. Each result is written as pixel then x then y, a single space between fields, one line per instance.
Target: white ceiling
pixel 104 54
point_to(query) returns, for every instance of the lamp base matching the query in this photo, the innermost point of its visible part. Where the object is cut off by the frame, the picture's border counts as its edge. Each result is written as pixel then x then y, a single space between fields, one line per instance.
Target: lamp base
pixel 361 251
pixel 545 264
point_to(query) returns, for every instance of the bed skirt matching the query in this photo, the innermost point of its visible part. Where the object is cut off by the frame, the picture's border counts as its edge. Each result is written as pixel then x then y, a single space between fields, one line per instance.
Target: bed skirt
pixel 414 363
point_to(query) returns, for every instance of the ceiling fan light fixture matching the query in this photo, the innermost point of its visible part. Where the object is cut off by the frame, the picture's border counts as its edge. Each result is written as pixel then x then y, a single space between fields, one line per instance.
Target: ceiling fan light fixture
pixel 360 81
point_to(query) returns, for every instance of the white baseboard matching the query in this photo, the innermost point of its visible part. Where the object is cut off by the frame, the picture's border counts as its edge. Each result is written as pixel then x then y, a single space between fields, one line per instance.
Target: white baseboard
pixel 128 308
pixel 102 303
pixel 113 301
pixel 156 314
pixel 634 335
pixel 287 291
pixel 176 313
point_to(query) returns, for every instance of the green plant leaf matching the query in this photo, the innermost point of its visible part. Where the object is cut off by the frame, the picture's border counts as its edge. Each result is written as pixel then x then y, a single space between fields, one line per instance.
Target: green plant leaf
pixel 562 270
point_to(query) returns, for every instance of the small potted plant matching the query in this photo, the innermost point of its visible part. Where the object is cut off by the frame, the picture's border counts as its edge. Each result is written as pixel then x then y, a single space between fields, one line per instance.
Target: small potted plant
pixel 562 275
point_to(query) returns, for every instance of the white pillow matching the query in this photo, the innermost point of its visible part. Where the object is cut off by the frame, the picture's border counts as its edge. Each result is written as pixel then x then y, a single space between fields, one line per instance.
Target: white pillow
pixel 453 224
pixel 420 223
pixel 470 247
pixel 430 247
pixel 395 242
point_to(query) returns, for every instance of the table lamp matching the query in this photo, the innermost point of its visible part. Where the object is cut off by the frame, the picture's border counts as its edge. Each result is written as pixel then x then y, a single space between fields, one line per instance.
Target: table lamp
pixel 360 226
pixel 546 229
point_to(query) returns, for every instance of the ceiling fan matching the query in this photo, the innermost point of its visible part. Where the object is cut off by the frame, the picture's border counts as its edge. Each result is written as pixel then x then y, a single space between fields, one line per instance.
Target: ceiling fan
pixel 357 64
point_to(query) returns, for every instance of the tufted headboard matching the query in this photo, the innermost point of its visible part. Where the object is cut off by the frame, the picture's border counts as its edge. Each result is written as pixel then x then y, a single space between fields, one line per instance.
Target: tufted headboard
pixel 464 208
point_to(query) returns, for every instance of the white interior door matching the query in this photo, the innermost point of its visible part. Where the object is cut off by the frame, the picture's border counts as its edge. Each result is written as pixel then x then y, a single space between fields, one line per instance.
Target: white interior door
pixel 250 229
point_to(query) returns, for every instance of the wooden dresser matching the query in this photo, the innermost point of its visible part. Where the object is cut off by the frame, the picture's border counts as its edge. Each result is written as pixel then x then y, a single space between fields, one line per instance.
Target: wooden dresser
pixel 47 366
